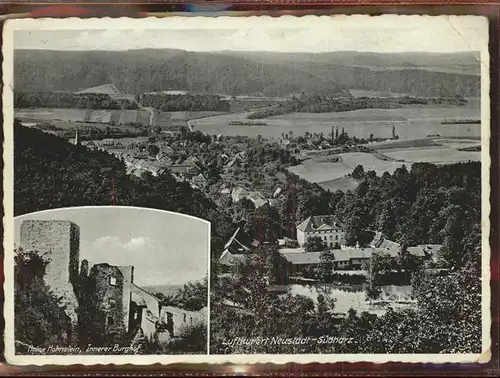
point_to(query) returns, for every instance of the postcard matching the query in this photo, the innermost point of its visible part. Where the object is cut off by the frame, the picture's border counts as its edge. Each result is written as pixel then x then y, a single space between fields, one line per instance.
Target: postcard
pixel 247 189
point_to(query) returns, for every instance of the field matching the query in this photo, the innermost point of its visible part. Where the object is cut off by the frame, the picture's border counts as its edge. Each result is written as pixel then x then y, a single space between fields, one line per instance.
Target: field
pixel 444 155
pixel 322 170
pixel 410 123
pixel 365 93
pixel 343 184
pixel 117 117
pixel 435 150
pixel 389 155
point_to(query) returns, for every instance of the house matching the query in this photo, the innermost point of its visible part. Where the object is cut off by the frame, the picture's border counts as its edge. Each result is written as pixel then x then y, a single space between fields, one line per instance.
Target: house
pixel 165 150
pixel 228 259
pixel 186 168
pixel 199 182
pixel 93 145
pixel 258 199
pixel 326 227
pixel 426 250
pixel 108 142
pixel 237 160
pixel 178 320
pixel 239 193
pixel 382 244
pixel 302 261
pixel 237 249
pixel 352 258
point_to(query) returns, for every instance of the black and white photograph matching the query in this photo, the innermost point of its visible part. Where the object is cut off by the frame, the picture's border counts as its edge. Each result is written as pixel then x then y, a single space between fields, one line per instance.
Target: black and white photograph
pixel 110 280
pixel 323 179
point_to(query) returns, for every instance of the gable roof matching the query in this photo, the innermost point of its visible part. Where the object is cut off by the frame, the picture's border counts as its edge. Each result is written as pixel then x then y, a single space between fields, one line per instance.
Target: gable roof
pixel 227 258
pixel 233 240
pixel 320 222
pixel 424 250
pixel 302 258
pixel 239 191
pixel 384 245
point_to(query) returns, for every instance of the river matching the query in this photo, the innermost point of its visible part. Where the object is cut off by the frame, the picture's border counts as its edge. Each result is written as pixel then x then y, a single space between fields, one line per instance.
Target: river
pixel 410 123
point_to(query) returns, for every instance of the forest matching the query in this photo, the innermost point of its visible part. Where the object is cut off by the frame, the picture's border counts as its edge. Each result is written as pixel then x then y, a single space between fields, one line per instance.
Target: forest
pixel 232 73
pixel 174 103
pixel 52 173
pixel 325 104
pixel 70 100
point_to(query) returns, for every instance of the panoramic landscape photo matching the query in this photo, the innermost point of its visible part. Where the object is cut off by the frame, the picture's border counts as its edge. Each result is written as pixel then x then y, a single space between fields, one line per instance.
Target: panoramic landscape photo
pixel 339 166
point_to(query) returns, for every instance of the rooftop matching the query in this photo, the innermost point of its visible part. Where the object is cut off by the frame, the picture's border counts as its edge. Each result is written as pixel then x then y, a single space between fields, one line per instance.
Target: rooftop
pixel 320 222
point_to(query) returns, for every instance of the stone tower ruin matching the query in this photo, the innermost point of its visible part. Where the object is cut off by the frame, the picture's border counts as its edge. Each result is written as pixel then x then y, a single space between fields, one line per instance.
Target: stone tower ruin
pixel 59 243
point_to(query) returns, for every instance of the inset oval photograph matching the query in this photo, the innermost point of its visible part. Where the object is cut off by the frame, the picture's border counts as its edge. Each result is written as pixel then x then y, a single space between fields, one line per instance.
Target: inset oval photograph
pixel 110 281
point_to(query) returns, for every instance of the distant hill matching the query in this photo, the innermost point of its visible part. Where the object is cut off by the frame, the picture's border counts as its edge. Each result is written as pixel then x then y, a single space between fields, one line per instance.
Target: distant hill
pixel 460 62
pixel 248 73
pixel 166 290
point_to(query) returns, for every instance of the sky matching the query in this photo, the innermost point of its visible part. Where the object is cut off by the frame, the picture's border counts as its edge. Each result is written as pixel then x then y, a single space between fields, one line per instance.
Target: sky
pixel 164 248
pixel 286 34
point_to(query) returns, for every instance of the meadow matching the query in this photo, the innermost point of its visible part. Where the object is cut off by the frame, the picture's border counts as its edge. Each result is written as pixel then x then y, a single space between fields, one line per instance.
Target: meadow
pixel 117 117
pixel 444 155
pixel 320 170
pixel 410 123
pixel 333 176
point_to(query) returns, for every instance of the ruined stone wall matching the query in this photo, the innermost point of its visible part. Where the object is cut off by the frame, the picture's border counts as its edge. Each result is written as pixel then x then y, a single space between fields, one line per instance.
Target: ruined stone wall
pixel 108 283
pixel 59 241
pixel 182 319
pixel 128 279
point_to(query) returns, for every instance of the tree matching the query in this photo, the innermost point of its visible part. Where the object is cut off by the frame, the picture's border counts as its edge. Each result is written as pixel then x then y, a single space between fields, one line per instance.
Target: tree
pixel 325 269
pixel 314 244
pixel 372 292
pixel 40 318
pixel 358 173
pixel 192 296
pixel 153 150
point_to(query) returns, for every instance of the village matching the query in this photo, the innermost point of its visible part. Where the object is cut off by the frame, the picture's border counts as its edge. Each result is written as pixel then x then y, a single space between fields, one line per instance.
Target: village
pixel 347 259
pixel 244 175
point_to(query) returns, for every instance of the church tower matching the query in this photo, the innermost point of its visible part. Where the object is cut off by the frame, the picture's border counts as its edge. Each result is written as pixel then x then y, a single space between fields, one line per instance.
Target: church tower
pixel 77 137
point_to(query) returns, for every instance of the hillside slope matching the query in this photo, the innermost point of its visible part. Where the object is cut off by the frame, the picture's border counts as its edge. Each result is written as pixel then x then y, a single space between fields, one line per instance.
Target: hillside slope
pixel 241 73
pixel 51 173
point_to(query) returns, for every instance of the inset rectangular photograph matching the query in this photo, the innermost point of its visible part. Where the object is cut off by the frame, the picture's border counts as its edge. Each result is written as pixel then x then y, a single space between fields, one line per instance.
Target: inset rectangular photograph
pixel 342 162
pixel 110 281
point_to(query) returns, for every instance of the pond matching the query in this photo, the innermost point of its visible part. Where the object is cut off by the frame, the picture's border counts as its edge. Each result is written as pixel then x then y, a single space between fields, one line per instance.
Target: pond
pixel 396 296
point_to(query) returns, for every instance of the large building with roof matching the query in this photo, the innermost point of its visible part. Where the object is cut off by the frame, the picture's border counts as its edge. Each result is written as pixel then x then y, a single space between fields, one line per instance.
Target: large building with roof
pixel 327 227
